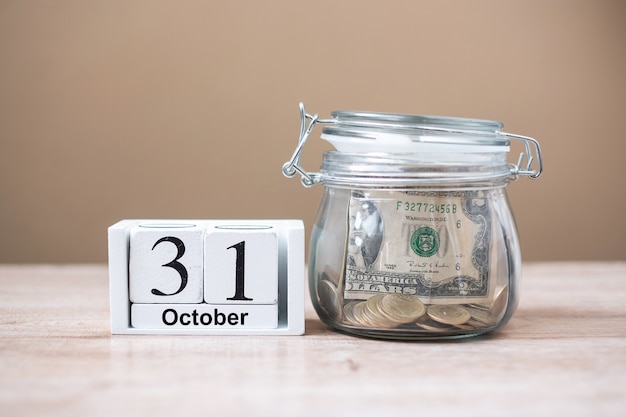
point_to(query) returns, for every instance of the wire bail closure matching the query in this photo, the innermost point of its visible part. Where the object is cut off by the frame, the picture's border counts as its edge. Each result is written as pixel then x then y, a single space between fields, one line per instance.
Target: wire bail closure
pixel 528 170
pixel 532 154
pixel 292 167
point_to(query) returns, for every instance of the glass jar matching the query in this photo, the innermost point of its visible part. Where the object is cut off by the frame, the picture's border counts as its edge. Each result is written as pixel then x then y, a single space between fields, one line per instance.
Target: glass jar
pixel 414 237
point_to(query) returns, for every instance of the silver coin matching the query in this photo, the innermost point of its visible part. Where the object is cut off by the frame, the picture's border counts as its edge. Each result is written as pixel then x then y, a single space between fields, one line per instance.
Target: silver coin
pixel 401 308
pixel 481 316
pixel 328 299
pixel 500 301
pixel 495 305
pixel 449 314
pixel 426 323
pixel 348 313
pixel 373 315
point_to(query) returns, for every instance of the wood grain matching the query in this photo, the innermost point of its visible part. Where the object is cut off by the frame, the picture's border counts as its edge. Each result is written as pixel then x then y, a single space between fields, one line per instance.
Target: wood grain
pixel 563 353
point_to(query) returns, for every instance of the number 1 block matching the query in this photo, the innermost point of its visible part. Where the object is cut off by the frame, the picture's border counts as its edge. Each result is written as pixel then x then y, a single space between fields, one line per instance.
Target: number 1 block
pixel 207 277
pixel 241 264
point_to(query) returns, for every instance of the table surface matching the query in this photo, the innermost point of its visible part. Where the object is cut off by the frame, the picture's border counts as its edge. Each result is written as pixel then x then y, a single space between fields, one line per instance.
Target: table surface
pixel 563 353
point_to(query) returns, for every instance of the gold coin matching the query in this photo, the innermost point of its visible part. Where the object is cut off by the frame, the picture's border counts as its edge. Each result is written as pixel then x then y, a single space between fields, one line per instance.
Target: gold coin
pixel 449 314
pixel 401 308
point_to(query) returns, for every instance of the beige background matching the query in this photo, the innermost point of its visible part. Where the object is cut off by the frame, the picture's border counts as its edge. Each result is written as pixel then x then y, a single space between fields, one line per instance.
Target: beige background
pixel 188 109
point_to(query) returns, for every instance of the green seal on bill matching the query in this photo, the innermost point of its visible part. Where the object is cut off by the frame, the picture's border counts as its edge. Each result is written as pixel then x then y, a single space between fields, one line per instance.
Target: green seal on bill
pixel 425 241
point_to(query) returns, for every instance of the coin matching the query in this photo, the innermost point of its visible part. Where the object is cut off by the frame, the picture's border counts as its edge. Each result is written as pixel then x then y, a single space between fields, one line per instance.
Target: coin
pixel 481 316
pixel 331 275
pixel 348 312
pixel 466 326
pixel 495 305
pixel 432 328
pixel 371 315
pixel 500 301
pixel 449 314
pixel 430 325
pixel 372 302
pixel 401 308
pixel 361 319
pixel 328 299
pixel 477 324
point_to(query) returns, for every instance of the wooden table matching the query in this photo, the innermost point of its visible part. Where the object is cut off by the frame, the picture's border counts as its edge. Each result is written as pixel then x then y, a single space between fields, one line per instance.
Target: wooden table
pixel 562 354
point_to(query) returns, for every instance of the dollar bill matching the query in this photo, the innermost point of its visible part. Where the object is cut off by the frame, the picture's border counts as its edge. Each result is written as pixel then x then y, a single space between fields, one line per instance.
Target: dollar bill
pixel 435 245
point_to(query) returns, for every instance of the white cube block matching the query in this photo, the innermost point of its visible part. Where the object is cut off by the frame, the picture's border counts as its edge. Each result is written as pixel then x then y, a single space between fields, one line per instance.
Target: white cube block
pixel 197 317
pixel 166 262
pixel 241 264
pixel 282 315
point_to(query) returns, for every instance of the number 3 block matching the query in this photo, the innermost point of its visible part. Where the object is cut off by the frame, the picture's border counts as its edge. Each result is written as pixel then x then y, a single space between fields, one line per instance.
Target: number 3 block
pixel 207 277
pixel 166 263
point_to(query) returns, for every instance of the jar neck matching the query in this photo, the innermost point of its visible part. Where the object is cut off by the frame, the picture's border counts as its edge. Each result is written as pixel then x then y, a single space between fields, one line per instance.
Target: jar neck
pixel 426 169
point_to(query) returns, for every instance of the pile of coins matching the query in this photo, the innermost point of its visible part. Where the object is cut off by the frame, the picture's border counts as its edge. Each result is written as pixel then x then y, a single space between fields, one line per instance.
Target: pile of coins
pixel 384 311
pixel 390 310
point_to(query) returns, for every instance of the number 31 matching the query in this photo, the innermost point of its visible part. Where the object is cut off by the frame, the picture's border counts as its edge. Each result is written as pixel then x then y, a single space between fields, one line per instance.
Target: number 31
pixel 240 249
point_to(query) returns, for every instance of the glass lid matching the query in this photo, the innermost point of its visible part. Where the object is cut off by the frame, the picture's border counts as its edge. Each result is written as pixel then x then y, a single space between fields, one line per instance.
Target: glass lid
pixel 358 131
pixel 413 137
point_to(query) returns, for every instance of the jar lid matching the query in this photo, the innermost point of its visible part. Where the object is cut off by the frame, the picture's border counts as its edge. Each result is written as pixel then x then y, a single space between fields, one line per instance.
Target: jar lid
pixel 357 131
pixel 449 140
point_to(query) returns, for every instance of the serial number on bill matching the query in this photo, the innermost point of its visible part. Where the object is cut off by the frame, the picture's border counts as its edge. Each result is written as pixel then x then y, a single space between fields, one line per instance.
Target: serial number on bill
pixel 418 207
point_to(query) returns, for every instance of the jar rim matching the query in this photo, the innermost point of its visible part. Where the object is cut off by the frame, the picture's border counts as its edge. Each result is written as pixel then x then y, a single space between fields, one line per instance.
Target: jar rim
pixel 350 117
pixel 406 131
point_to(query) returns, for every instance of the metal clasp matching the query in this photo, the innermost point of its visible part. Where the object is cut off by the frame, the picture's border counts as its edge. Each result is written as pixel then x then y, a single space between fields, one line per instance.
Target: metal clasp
pixel 528 169
pixel 292 167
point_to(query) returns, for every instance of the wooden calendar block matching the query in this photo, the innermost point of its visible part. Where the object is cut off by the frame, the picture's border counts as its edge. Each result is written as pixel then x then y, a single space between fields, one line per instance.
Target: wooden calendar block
pixel 241 264
pixel 204 316
pixel 207 277
pixel 166 262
